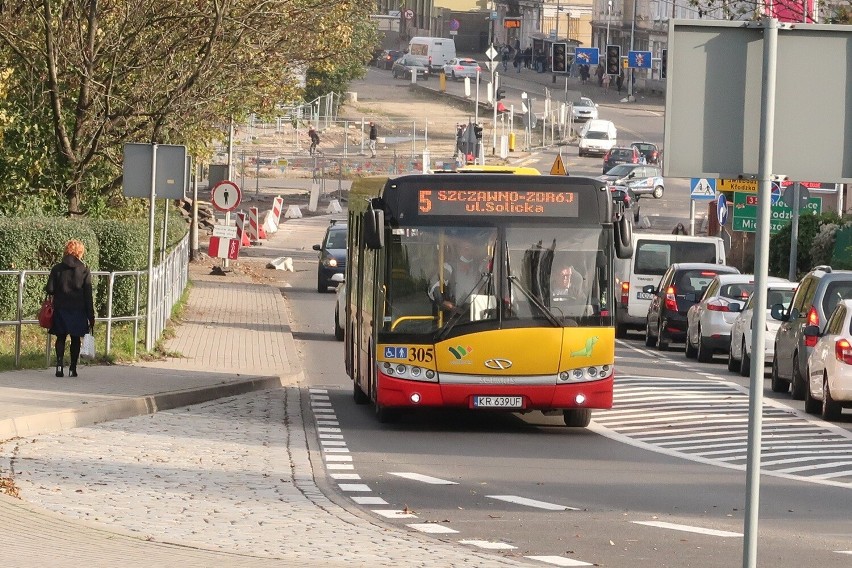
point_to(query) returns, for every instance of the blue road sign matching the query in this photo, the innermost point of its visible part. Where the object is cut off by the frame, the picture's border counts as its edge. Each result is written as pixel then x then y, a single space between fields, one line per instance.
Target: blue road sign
pixel 587 55
pixel 639 59
pixel 722 209
pixel 702 189
pixel 776 192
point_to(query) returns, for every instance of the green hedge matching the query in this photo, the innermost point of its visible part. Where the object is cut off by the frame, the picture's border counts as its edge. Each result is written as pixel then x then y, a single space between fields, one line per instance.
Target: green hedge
pixel 111 245
pixel 807 255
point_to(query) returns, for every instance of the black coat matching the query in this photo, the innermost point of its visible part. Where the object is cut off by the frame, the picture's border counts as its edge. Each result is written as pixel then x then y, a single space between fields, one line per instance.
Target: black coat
pixel 70 284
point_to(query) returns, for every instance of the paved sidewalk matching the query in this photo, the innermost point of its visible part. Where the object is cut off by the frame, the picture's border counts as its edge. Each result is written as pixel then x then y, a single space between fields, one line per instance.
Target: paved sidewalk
pixel 225 482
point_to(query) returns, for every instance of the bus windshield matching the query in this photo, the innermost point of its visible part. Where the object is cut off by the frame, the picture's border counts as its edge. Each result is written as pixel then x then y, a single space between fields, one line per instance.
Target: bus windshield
pixel 443 280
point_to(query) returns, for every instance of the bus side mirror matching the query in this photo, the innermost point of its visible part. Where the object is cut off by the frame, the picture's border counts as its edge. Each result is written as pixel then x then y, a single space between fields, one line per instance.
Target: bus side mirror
pixel 374 228
pixel 623 236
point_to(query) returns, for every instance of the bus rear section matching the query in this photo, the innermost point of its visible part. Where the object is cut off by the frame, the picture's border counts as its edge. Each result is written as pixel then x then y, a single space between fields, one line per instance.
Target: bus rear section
pixel 488 298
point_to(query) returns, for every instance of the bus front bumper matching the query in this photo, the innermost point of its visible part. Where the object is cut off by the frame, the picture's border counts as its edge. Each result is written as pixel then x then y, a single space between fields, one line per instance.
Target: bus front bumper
pixel 394 392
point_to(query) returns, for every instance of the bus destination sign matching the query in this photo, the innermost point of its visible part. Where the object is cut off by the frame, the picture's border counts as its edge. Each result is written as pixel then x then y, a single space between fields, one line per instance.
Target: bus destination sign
pixel 478 202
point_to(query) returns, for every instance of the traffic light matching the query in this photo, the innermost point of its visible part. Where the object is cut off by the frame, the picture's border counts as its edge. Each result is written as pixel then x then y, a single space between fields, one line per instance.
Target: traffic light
pixel 559 58
pixel 477 131
pixel 664 63
pixel 501 94
pixel 613 59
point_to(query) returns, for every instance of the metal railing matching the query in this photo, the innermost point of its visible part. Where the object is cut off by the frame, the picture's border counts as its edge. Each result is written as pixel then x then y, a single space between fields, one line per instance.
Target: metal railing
pixel 169 278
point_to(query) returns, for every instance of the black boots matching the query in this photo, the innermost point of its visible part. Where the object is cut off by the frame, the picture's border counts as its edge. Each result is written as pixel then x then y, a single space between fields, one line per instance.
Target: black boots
pixel 72 371
pixel 59 369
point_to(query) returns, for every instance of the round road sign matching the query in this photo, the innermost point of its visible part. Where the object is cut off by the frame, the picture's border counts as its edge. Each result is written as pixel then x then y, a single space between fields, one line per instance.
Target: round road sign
pixel 409 14
pixel 225 196
pixel 722 210
pixel 455 24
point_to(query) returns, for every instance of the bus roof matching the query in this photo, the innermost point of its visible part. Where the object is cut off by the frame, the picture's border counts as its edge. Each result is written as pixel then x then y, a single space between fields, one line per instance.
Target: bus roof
pixel 520 170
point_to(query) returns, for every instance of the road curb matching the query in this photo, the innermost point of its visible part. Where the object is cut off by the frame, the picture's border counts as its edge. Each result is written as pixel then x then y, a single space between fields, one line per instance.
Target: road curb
pixel 117 409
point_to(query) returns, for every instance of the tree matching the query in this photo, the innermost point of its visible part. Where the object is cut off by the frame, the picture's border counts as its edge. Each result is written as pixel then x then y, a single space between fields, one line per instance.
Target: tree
pixel 86 76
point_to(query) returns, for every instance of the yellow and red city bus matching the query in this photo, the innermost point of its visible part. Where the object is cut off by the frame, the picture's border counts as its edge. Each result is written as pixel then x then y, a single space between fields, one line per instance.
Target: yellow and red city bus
pixel 508 340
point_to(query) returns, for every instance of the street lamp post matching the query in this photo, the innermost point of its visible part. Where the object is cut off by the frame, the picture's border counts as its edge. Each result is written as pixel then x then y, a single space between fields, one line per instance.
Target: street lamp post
pixel 557 20
pixel 608 12
pixel 630 71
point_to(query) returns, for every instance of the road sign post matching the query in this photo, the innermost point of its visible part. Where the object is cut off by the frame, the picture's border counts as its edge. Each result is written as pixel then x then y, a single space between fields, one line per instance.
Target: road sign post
pixel 701 189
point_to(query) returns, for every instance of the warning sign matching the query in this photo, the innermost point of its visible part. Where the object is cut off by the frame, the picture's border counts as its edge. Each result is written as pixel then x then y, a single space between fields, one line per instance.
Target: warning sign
pixel 558 168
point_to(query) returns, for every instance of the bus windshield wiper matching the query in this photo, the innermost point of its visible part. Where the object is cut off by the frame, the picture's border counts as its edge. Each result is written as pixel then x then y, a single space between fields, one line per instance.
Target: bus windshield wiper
pixel 536 301
pixel 457 313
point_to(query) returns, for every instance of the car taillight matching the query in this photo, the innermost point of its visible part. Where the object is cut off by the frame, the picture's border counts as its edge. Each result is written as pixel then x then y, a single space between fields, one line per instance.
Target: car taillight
pixel 718 306
pixel 813 319
pixel 671 302
pixel 459 68
pixel 843 351
pixel 625 292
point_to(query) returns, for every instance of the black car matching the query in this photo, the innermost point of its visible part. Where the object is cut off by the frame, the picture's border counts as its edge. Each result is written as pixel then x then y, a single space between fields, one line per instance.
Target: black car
pixel 681 288
pixel 620 155
pixel 651 152
pixel 386 58
pixel 332 255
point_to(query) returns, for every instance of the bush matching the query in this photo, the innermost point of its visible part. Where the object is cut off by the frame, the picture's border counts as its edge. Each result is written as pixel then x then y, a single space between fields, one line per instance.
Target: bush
pixel 111 245
pixel 807 256
pixel 37 244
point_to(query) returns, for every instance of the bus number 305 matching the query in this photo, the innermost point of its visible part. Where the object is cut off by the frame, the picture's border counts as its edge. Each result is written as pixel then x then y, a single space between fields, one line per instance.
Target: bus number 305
pixel 421 354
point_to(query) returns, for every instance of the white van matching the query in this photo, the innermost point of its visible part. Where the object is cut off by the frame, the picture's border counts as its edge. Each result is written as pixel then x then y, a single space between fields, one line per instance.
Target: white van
pixel 597 137
pixel 652 256
pixel 432 51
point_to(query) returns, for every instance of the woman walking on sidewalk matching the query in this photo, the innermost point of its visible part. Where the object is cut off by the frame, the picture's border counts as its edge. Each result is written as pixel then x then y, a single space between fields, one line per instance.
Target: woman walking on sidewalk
pixel 70 285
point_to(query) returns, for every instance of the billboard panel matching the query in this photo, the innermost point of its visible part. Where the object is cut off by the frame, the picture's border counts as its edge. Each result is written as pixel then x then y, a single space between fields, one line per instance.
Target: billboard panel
pixel 714 93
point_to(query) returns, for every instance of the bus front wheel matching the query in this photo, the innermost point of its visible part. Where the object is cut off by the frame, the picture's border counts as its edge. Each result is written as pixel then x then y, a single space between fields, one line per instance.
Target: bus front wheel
pixel 577 417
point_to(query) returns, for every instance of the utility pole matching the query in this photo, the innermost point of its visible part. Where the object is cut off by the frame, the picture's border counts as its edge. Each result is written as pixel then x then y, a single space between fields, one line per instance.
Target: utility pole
pixel 629 69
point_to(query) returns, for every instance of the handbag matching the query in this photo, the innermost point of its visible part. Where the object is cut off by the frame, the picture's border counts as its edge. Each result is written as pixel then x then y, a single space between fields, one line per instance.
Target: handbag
pixel 87 347
pixel 45 313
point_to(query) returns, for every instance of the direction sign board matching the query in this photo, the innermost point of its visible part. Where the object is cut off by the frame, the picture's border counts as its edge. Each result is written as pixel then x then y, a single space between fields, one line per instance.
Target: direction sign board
pixel 587 55
pixel 639 59
pixel 745 212
pixel 702 189
pixel 225 196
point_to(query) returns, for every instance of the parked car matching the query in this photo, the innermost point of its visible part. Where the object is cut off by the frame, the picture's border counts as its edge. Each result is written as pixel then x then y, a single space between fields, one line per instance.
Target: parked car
pixel 584 109
pixel 652 256
pixel 386 58
pixel 649 151
pixel 339 306
pixel 830 364
pixel 642 179
pixel 332 254
pixel 818 293
pixel 406 65
pixel 624 196
pixel 462 67
pixel 708 323
pixel 739 357
pixel 620 155
pixel 680 288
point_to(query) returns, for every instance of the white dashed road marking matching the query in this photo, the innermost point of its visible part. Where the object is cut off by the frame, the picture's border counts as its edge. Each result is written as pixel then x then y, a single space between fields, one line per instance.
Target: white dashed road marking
pixel 392 514
pixel 559 560
pixel 489 545
pixel 420 477
pixel 687 528
pixel 369 500
pixel 432 528
pixel 354 487
pixel 531 503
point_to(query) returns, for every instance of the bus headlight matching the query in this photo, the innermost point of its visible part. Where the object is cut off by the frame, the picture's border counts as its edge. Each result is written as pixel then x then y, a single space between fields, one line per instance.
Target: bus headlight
pixel 583 374
pixel 410 372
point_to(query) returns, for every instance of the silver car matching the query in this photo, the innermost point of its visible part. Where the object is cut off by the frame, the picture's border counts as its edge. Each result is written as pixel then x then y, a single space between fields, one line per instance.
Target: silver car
pixel 462 67
pixel 584 109
pixel 708 323
pixel 739 357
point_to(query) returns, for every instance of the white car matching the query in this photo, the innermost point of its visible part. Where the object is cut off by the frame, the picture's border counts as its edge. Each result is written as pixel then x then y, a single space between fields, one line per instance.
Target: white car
pixel 339 306
pixel 830 365
pixel 584 109
pixel 739 357
pixel 462 67
pixel 708 323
